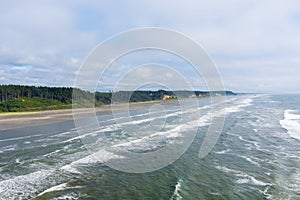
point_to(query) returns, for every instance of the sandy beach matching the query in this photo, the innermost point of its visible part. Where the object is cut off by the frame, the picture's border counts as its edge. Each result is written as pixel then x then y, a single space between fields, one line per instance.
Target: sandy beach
pixel 14 120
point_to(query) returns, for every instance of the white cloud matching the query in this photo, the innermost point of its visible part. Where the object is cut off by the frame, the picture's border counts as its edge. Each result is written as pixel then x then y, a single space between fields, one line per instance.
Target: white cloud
pixel 256 40
pixel 45 36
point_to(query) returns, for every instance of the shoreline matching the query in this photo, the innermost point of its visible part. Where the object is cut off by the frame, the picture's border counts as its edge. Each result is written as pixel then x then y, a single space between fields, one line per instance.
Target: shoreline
pixel 15 120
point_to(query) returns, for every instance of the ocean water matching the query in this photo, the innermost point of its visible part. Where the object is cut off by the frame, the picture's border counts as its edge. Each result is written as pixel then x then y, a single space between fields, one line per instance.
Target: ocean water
pixel 256 157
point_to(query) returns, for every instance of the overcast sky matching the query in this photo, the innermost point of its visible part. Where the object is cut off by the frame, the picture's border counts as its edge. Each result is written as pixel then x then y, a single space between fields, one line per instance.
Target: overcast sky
pixel 255 44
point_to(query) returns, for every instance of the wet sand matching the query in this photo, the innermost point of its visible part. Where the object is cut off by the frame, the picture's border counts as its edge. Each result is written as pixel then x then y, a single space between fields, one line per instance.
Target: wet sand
pixel 14 120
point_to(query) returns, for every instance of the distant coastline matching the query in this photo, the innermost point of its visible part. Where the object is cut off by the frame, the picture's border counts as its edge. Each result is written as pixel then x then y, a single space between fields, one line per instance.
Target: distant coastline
pixel 19 98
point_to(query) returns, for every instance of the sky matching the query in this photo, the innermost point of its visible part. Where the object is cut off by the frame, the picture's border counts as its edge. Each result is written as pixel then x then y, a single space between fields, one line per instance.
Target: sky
pixel 254 44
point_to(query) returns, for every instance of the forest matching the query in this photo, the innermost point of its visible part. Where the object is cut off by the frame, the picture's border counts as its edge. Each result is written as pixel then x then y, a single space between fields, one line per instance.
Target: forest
pixel 15 98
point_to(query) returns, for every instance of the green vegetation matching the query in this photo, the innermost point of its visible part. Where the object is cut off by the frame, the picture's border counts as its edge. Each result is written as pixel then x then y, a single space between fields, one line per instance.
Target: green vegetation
pixel 16 98
pixel 32 104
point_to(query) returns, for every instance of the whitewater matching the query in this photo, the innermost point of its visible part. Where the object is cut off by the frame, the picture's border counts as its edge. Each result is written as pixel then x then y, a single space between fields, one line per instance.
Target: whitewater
pixel 256 157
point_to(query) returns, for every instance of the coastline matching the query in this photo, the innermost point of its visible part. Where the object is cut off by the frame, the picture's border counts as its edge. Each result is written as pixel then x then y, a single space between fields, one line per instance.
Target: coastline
pixel 15 120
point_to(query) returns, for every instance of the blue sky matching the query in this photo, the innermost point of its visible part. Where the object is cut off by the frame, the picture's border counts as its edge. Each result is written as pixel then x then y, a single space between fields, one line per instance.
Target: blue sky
pixel 255 44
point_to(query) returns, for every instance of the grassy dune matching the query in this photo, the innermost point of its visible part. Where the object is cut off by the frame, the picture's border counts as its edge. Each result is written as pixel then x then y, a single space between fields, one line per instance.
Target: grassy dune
pixel 32 104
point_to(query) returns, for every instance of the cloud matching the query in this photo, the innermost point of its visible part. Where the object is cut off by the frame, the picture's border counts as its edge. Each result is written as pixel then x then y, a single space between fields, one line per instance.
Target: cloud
pixel 254 43
pixel 43 35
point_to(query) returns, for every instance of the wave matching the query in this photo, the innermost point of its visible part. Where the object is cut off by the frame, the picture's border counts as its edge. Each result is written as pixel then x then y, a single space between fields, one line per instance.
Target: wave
pixel 227 170
pixel 20 138
pixel 118 126
pixel 251 180
pixel 100 156
pixel 254 143
pixel 11 147
pixel 24 186
pixel 28 185
pixel 125 122
pixel 63 186
pixel 239 105
pixel 291 123
pixel 222 152
pixel 250 160
pixel 147 143
pixel 116 117
pixel 89 133
pixel 153 141
pixel 243 178
pixel 72 196
pixel 265 192
pixel 176 194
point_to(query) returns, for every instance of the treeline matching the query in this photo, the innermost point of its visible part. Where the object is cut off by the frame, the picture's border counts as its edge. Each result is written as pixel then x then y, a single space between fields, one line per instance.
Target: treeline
pixel 31 98
pixel 62 94
pixel 140 96
pixel 27 98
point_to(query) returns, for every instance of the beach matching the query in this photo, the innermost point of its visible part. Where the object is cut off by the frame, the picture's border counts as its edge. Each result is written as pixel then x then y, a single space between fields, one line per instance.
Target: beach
pixel 14 120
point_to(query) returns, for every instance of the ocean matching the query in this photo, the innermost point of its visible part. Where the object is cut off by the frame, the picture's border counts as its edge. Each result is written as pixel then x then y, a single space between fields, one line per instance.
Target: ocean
pixel 257 155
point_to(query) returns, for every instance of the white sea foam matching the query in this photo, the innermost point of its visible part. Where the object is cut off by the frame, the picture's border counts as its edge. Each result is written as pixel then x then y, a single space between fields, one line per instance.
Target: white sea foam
pixel 137 115
pixel 203 121
pixel 247 179
pixel 118 126
pixel 243 177
pixel 100 156
pixel 23 186
pixel 20 138
pixel 54 188
pixel 251 160
pixel 71 196
pixel 258 182
pixel 171 133
pixel 242 181
pixel 227 170
pixel 244 140
pixel 239 105
pixel 176 194
pixel 291 123
pixel 177 113
pixel 60 187
pixel 53 153
pixel 70 168
pixel 265 193
pixel 11 147
pixel 92 133
pixel 63 134
pixel 222 152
